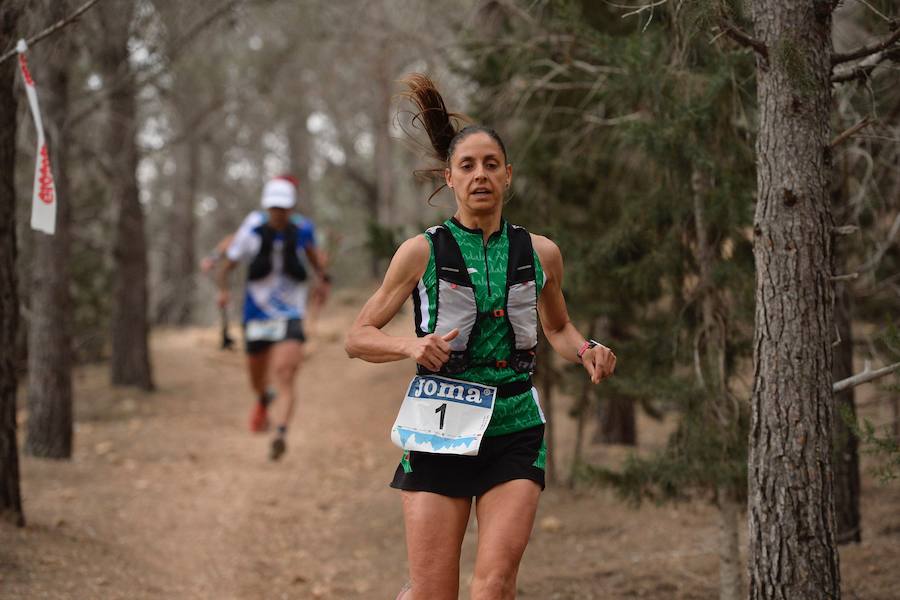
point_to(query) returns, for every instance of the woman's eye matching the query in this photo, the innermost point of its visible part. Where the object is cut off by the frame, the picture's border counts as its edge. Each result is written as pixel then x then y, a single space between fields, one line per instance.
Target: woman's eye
pixel 466 166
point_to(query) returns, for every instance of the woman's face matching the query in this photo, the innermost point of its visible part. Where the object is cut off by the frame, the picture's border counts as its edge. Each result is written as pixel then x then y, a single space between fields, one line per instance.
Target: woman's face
pixel 478 174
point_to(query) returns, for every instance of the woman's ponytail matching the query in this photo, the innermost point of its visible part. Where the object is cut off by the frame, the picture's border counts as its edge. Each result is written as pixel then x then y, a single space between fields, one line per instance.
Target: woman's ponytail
pixel 440 125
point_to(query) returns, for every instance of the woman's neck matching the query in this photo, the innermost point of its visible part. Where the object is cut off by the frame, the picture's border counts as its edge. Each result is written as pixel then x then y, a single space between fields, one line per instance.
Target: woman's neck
pixel 487 223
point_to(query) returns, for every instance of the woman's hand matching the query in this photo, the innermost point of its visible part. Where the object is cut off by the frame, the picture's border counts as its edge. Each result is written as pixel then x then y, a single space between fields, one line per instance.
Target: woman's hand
pixel 433 350
pixel 600 362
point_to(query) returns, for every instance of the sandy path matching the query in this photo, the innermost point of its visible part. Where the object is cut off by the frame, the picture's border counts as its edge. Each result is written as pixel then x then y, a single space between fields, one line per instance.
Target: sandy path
pixel 169 496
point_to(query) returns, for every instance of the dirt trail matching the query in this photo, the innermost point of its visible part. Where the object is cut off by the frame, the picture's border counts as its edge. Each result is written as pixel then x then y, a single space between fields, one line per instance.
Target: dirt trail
pixel 169 496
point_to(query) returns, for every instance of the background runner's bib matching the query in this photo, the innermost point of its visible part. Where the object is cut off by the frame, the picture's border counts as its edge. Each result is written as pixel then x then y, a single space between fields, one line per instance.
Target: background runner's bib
pixel 273 330
pixel 443 416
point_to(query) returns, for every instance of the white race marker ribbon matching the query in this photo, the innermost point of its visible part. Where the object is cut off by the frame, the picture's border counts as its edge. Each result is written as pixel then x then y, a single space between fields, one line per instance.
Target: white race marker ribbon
pixel 43 199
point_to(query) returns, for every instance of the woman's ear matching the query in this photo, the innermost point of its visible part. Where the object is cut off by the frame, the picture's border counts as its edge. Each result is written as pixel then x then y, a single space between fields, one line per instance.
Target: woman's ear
pixel 447 178
pixel 508 176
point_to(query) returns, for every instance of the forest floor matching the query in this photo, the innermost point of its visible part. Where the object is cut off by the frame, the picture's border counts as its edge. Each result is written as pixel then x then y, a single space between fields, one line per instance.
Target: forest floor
pixel 168 495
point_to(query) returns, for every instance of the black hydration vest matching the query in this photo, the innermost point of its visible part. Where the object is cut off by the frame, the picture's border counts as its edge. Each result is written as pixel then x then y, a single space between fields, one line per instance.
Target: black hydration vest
pixel 261 265
pixel 456 307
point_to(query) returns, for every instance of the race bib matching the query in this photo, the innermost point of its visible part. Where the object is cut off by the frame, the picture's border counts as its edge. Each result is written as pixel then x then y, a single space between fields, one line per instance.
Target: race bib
pixel 270 330
pixel 443 416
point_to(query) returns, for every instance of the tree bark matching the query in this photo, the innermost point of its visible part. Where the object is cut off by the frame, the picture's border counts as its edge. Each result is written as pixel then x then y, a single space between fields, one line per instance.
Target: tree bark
pixel 793 555
pixel 10 495
pixel 617 422
pixel 299 148
pixel 176 307
pixel 712 375
pixel 846 444
pixel 50 427
pixel 130 360
pixel 546 380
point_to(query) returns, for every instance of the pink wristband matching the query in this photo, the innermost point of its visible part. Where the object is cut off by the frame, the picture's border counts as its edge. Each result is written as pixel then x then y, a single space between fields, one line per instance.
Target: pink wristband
pixel 583 349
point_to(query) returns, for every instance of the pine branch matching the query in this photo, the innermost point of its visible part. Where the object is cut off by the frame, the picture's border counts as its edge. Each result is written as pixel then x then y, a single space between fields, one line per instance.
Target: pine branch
pixel 732 31
pixel 863 70
pixel 52 29
pixel 865 51
pixel 866 376
pixel 844 136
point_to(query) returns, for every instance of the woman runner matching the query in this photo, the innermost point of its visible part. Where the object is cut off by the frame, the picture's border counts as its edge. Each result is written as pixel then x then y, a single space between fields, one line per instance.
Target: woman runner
pixel 478 285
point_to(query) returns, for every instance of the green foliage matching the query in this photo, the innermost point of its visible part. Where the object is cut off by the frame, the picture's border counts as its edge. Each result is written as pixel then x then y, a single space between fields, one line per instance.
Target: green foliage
pixel 883 446
pixel 606 125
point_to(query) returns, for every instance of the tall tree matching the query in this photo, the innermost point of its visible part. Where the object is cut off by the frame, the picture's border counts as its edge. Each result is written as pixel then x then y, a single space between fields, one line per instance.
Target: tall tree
pixel 130 361
pixel 10 495
pixel 50 426
pixel 792 534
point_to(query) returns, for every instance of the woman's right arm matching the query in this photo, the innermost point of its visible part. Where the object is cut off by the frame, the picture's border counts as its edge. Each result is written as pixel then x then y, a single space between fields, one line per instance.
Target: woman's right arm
pixel 365 339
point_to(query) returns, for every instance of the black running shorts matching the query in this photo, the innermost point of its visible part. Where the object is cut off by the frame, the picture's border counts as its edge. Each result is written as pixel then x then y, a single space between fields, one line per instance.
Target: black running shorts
pixel 502 458
pixel 294 332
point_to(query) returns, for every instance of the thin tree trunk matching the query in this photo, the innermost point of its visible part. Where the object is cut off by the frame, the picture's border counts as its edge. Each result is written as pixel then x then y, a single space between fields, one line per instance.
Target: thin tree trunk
pixel 616 415
pixel 130 361
pixel 10 495
pixel 50 427
pixel 618 424
pixel 793 555
pixel 581 411
pixel 383 214
pixel 712 374
pixel 846 444
pixel 299 148
pixel 546 382
pixel 182 264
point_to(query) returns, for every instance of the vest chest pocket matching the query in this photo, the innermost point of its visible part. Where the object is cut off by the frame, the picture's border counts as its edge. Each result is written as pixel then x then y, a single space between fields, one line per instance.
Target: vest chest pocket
pixel 457 310
pixel 521 307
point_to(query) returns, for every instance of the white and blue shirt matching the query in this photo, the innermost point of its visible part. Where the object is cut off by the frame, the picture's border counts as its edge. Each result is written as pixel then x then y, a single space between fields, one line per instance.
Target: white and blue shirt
pixel 275 296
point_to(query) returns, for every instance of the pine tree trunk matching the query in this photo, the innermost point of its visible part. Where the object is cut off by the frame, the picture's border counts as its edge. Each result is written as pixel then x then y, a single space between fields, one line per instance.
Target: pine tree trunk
pixel 846 444
pixel 50 426
pixel 10 495
pixel 184 224
pixel 130 360
pixel 546 380
pixel 711 369
pixel 618 423
pixel 299 147
pixel 793 555
pixel 616 416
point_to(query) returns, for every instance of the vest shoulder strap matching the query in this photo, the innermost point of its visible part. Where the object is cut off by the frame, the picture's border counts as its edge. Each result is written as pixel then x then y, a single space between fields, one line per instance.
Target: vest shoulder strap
pixel 521 256
pixel 448 258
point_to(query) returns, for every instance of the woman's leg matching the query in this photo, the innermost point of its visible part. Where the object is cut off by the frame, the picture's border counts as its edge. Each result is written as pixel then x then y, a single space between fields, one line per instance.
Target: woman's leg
pixel 505 517
pixel 435 526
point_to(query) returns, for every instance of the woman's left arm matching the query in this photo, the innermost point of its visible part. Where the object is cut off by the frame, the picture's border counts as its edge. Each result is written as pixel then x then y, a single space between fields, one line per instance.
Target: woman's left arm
pixel 599 361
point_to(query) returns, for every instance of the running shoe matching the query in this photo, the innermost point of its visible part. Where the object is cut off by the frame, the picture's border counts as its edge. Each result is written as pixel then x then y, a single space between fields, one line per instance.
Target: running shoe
pixel 259 418
pixel 278 448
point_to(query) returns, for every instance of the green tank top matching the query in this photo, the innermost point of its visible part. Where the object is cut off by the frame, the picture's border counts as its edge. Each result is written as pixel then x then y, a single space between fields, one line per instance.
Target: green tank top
pixel 490 339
